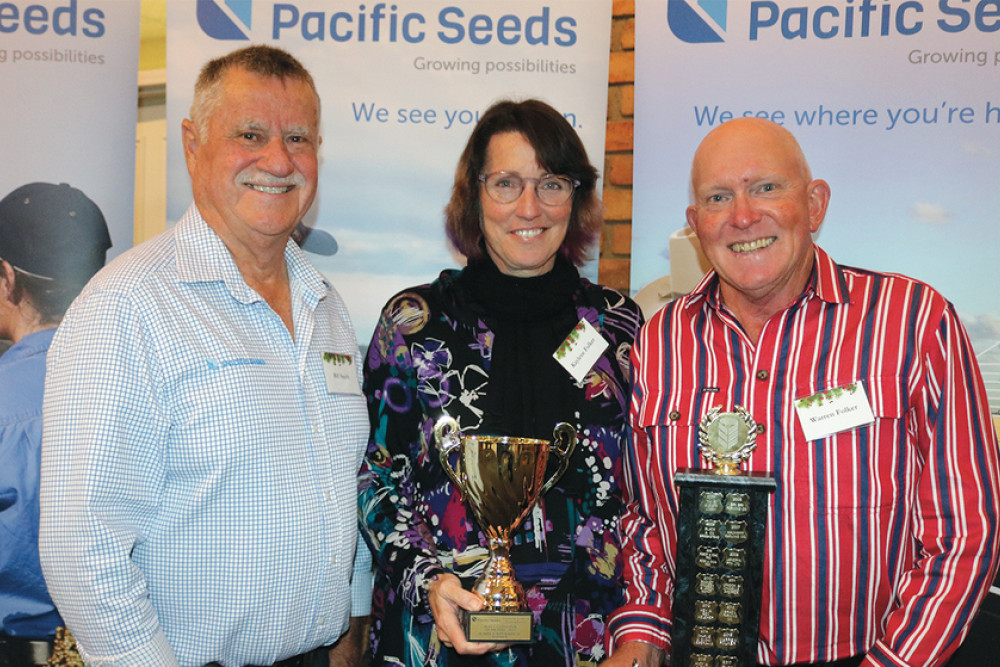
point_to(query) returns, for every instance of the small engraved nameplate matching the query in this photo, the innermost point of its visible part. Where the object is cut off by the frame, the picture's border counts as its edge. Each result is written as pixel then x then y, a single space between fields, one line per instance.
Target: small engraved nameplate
pixel 736 531
pixel 728 639
pixel 710 502
pixel 734 559
pixel 709 530
pixel 729 613
pixel 706 611
pixel 737 504
pixel 707 558
pixel 732 586
pixel 705 584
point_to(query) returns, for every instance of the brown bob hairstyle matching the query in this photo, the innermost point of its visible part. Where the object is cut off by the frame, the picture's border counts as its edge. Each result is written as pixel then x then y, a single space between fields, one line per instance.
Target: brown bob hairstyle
pixel 558 150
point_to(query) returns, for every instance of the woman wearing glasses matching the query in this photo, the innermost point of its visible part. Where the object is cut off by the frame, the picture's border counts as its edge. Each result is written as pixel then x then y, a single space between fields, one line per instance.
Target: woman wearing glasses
pixel 478 345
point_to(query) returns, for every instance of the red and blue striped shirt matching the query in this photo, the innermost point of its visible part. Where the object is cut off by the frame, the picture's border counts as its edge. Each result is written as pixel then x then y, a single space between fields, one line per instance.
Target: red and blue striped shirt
pixel 881 539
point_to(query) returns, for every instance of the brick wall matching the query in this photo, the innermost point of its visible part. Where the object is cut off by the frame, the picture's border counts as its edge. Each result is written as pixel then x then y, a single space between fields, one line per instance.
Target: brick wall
pixel 616 241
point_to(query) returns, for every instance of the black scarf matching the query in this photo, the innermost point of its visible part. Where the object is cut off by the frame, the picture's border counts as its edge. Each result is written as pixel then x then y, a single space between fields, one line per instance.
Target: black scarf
pixel 529 391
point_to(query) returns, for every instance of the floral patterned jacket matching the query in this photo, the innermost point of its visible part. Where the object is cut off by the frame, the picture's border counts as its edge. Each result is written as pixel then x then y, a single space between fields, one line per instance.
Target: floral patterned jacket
pixel 430 356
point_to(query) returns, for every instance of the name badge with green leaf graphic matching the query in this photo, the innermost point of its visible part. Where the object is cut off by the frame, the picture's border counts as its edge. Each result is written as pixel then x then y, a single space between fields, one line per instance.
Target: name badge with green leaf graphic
pixel 834 410
pixel 341 374
pixel 580 351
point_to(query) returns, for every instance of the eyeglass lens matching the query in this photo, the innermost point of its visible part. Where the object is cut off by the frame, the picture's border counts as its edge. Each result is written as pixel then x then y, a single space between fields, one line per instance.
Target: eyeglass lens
pixel 506 188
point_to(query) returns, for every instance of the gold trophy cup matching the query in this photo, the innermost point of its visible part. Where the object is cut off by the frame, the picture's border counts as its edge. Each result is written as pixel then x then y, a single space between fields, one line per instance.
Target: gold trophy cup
pixel 500 478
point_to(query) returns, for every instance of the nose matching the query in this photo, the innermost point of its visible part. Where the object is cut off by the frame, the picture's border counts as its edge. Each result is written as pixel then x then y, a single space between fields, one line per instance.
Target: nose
pixel 275 158
pixel 528 206
pixel 745 213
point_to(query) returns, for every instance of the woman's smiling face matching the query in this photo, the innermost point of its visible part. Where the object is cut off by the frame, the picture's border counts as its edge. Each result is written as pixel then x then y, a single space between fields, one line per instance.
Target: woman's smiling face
pixel 522 237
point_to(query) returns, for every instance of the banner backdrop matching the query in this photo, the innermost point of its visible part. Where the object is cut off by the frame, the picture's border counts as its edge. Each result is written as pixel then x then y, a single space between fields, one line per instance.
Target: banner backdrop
pixel 69 75
pixel 896 105
pixel 401 87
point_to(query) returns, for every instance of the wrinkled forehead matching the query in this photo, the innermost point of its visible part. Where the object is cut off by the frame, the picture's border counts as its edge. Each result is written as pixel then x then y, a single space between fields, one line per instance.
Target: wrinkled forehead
pixel 740 151
pixel 247 92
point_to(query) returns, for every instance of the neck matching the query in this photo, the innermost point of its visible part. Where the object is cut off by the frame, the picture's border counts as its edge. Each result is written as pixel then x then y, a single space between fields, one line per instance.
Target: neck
pixel 753 308
pixel 26 322
pixel 273 285
pixel 260 259
pixel 753 314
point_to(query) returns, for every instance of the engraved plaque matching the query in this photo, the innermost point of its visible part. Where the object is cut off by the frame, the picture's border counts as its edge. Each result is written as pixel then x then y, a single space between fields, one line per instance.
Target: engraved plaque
pixel 710 502
pixel 705 584
pixel 732 586
pixel 701 660
pixel 737 504
pixel 707 558
pixel 709 530
pixel 727 661
pixel 736 531
pixel 703 636
pixel 727 639
pixel 729 613
pixel 706 611
pixel 734 559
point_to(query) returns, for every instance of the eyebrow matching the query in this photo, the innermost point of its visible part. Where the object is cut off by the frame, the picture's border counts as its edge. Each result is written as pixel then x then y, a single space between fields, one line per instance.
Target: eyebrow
pixel 256 126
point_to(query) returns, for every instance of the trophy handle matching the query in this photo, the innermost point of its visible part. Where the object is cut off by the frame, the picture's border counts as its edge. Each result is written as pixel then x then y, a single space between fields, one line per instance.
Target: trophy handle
pixel 563 444
pixel 448 437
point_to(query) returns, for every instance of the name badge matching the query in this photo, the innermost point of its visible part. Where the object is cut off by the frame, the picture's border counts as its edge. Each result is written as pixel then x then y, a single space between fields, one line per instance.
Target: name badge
pixel 581 350
pixel 834 410
pixel 341 374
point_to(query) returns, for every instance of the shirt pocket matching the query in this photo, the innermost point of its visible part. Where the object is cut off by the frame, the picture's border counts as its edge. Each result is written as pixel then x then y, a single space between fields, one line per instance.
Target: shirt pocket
pixel 858 469
pixel 671 425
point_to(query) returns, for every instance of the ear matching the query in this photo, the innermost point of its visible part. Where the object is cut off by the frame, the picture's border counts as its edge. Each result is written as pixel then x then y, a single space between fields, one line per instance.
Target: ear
pixel 191 142
pixel 6 281
pixel 692 218
pixel 819 199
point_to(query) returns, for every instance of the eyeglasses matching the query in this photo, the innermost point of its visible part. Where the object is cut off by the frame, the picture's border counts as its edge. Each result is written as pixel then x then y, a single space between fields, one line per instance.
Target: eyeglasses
pixel 504 187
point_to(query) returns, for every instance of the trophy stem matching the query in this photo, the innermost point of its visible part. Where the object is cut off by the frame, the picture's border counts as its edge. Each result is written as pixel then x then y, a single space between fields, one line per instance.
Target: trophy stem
pixel 497 584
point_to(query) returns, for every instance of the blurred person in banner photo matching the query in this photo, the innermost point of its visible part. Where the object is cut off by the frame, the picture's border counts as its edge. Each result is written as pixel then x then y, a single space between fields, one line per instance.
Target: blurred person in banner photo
pixel 478 345
pixel 881 537
pixel 204 422
pixel 53 238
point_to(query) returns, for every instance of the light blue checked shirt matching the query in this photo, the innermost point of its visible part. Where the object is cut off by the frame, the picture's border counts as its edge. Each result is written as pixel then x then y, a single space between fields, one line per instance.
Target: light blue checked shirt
pixel 199 480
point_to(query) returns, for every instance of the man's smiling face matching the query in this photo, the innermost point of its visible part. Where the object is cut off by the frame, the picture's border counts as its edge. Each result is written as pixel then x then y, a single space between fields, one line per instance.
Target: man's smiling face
pixel 254 171
pixel 754 211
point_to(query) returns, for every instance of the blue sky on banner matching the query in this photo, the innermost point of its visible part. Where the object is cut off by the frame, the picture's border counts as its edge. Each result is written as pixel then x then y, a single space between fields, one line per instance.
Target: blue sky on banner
pixel 401 86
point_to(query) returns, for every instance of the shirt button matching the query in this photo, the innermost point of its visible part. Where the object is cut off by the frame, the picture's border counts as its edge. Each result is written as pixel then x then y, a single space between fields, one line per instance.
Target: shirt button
pixel 760 428
pixel 328 495
pixel 763 375
pixel 315 428
pixel 674 415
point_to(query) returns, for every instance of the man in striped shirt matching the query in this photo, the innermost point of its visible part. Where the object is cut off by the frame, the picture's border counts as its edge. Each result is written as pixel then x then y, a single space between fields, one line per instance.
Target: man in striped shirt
pixel 882 533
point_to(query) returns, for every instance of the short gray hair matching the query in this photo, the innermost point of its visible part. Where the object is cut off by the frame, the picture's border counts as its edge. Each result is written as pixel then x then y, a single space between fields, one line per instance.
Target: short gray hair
pixel 258 59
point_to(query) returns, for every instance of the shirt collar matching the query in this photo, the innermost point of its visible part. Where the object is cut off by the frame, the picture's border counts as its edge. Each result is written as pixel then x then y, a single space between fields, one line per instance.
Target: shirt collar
pixel 203 257
pixel 34 343
pixel 826 282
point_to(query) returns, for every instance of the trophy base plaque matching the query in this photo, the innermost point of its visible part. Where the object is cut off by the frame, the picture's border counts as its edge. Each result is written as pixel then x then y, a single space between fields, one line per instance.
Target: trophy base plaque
pixel 721 527
pixel 499 627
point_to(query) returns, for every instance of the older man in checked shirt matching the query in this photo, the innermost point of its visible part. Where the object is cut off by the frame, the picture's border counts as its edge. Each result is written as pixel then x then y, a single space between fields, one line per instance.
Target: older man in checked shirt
pixel 199 463
pixel 882 536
